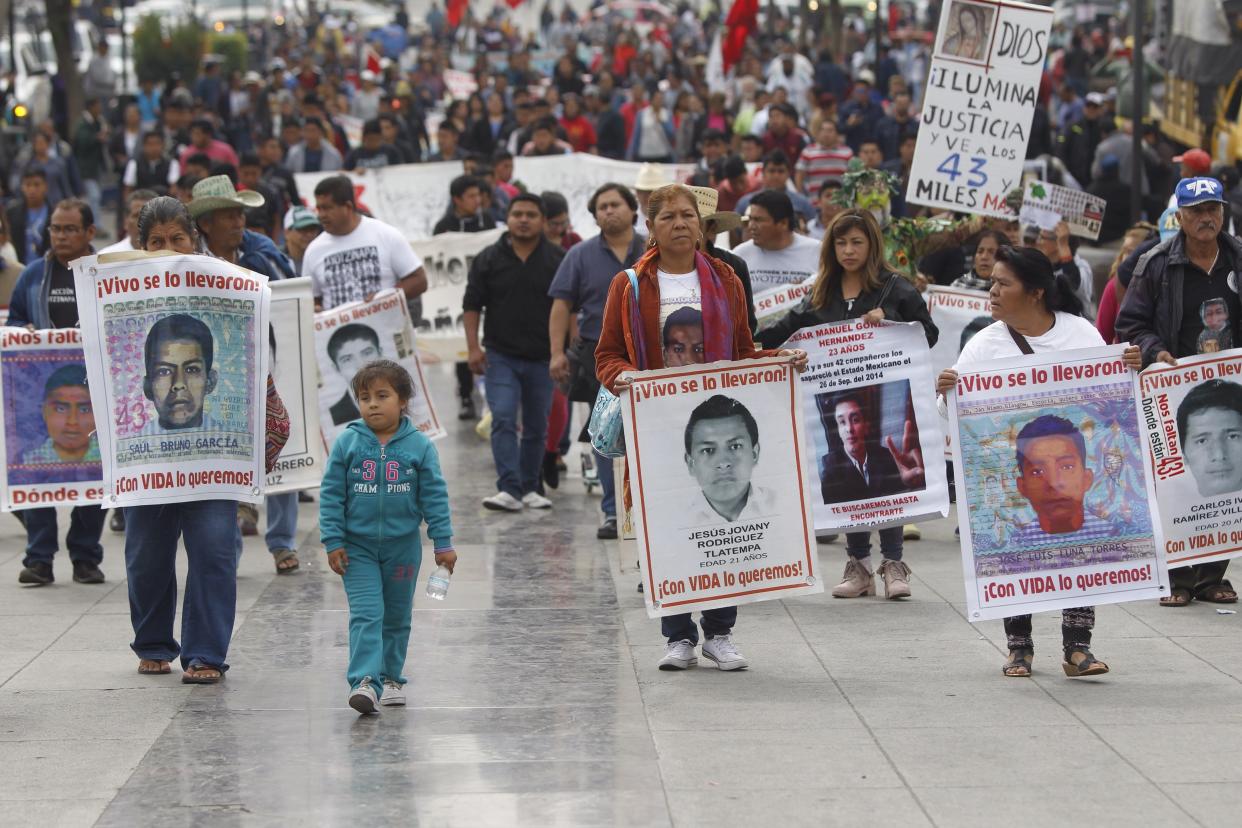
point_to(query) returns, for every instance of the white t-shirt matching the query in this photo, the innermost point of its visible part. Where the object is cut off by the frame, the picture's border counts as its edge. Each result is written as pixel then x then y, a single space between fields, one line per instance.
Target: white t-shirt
pixel 775 268
pixel 125 245
pixel 683 342
pixel 994 342
pixel 349 268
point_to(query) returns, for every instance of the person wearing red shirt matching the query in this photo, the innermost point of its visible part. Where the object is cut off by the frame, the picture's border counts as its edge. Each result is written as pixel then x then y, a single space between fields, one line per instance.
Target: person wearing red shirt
pixel 783 133
pixel 630 109
pixel 578 129
pixel 203 140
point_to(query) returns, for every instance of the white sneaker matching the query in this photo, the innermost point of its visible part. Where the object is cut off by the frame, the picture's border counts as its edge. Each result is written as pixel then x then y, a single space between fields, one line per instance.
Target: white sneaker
pixel 394 694
pixel 721 650
pixel 502 502
pixel 363 698
pixel 679 655
pixel 534 500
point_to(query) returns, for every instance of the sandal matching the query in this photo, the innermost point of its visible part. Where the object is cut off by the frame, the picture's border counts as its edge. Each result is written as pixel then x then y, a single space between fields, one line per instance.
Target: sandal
pixel 1089 666
pixel 1019 663
pixel 1222 593
pixel 202 674
pixel 286 561
pixel 160 668
pixel 1177 597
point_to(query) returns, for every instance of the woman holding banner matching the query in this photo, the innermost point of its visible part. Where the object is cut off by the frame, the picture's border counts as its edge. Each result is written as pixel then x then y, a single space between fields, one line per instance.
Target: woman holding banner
pixel 691 308
pixel 207 527
pixel 1037 312
pixel 855 281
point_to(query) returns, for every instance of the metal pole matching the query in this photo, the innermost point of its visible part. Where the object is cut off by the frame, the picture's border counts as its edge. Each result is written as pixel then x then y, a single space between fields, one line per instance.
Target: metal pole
pixel 879 28
pixel 124 52
pixel 13 35
pixel 1136 78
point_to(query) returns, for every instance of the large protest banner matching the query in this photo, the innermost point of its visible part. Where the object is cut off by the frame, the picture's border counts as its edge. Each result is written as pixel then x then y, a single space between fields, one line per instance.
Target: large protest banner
pixel 1049 454
pixel 446 258
pixel 981 95
pixel 347 338
pixel 772 304
pixel 413 197
pixel 1192 421
pixel 959 314
pixel 176 353
pixel 50 451
pixel 869 407
pixel 719 485
pixel 296 375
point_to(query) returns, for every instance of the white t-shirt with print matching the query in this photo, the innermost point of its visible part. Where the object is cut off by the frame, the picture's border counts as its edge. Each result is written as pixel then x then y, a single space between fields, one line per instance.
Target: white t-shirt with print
pixel 791 265
pixel 680 291
pixel 349 268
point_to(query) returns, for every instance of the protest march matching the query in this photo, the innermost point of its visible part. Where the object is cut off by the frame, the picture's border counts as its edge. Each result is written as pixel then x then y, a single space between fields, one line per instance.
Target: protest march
pixel 399 367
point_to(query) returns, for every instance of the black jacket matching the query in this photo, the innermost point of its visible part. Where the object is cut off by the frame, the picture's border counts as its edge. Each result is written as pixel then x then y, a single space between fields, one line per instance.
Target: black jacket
pixel 840 482
pixel 903 303
pixel 450 222
pixel 743 274
pixel 478 137
pixel 16 215
pixel 514 295
pixel 1151 314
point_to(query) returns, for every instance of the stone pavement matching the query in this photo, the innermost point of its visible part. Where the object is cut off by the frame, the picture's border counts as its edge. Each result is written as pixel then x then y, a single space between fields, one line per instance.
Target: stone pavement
pixel 534 700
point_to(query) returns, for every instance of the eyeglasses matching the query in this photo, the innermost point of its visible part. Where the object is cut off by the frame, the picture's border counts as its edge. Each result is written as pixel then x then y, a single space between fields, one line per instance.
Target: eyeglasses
pixel 64 229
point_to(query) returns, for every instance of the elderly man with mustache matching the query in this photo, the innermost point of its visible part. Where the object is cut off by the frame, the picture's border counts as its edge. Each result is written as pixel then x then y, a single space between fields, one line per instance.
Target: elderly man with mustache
pixel 1177 287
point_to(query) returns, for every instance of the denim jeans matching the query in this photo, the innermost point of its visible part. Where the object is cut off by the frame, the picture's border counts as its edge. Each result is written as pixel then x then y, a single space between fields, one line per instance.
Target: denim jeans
pixel 513 385
pixel 607 483
pixel 85 525
pixel 208 528
pixel 282 520
pixel 858 544
pixel 715 622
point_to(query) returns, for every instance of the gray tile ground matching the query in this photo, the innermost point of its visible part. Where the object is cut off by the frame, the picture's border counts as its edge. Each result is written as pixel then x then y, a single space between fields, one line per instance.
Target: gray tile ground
pixel 535 701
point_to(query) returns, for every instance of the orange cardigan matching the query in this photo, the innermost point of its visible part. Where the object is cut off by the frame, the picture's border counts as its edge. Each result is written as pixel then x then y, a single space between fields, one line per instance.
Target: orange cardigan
pixel 615 354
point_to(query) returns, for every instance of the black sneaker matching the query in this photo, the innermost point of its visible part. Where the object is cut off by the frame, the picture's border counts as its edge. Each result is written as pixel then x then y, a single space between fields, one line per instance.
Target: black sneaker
pixel 85 572
pixel 551 474
pixel 38 574
pixel 467 411
pixel 608 530
pixel 305 497
pixel 117 522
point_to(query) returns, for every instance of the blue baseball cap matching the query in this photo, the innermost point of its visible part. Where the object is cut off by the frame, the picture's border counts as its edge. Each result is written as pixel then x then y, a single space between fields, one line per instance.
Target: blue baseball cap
pixel 1192 191
pixel 1168 225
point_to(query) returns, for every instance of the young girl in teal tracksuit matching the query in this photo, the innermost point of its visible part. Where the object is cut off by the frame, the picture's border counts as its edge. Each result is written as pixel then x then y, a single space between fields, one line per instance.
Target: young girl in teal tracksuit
pixel 383 479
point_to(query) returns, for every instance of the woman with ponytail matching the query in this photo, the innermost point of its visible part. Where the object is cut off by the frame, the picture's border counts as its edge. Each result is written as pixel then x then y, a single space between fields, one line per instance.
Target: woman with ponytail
pixel 691 309
pixel 1036 312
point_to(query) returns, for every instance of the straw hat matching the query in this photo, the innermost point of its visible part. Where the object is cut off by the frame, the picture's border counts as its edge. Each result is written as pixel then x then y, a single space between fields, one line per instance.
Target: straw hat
pixel 650 178
pixel 707 199
pixel 218 193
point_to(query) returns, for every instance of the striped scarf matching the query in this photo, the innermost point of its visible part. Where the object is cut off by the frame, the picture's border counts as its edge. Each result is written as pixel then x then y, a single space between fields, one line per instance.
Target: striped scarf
pixel 717 316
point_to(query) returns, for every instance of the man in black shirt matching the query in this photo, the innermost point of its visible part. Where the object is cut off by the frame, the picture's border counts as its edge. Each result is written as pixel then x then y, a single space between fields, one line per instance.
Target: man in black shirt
pixel 44 298
pixel 374 152
pixel 509 280
pixel 275 174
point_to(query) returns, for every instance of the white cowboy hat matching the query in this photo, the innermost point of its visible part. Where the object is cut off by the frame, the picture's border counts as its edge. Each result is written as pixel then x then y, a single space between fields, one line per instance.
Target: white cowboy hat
pixel 650 178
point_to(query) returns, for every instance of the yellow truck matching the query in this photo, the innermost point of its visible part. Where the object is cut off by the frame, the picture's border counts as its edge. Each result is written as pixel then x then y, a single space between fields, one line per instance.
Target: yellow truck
pixel 1180 119
pixel 1202 45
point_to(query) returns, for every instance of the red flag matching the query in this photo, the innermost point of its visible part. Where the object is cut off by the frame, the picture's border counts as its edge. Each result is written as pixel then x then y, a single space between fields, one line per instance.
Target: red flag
pixel 742 20
pixel 455 11
pixel 513 4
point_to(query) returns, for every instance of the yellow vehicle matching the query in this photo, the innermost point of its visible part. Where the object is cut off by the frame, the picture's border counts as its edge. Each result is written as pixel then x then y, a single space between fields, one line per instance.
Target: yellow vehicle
pixel 1180 119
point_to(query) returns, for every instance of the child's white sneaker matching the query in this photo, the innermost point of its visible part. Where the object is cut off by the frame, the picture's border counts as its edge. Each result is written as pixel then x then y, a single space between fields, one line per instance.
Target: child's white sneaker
pixel 363 698
pixel 394 694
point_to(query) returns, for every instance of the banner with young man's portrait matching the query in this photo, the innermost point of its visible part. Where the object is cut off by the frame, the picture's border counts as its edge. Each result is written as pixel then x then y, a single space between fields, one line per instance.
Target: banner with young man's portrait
pixel 177 359
pixel 1050 485
pixel 48 440
pixel 294 370
pixel 1191 415
pixel 350 336
pixel 720 485
pixel 869 406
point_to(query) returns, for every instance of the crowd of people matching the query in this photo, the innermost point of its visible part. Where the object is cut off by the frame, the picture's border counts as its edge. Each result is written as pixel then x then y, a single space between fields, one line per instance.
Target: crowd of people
pixel 776 151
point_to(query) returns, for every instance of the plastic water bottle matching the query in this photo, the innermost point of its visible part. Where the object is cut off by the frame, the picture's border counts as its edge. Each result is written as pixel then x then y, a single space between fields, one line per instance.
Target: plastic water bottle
pixel 438 583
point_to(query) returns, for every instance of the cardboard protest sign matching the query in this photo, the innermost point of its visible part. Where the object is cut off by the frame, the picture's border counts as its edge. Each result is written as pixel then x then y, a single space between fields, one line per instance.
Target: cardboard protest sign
pixel 446 258
pixel 1049 455
pixel 1192 424
pixel 869 407
pixel 176 354
pixel 719 485
pixel 981 95
pixel 1046 205
pixel 350 336
pixel 772 304
pixel 296 375
pixel 959 314
pixel 50 450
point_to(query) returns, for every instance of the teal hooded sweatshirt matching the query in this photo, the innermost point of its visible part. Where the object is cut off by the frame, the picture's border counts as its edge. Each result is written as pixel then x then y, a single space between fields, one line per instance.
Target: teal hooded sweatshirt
pixel 373 496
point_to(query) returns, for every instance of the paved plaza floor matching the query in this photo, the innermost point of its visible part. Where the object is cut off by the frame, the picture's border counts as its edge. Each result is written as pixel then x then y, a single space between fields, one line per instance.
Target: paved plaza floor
pixel 535 700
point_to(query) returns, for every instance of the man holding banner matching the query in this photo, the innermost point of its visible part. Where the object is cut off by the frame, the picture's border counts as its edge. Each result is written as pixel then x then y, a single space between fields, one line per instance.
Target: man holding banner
pixel 1180 291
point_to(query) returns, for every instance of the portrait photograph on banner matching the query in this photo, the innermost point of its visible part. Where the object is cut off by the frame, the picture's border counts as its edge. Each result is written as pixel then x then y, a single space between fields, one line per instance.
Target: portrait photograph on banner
pixel 1049 468
pixel 292 342
pixel 869 408
pixel 441 332
pixel 350 336
pixel 51 452
pixel 1192 422
pixel 176 352
pixel 720 485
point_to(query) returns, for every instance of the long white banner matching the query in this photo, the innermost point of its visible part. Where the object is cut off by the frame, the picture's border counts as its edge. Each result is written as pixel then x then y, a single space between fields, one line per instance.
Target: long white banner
pixel 447 258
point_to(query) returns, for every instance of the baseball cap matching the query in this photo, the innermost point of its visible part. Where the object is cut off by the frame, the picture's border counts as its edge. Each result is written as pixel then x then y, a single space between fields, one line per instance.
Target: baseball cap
pixel 1095 99
pixel 1168 225
pixel 299 218
pixel 1196 159
pixel 1192 191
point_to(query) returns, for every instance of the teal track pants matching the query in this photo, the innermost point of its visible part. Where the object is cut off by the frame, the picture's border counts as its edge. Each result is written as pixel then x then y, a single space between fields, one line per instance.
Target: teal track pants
pixel 380 587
